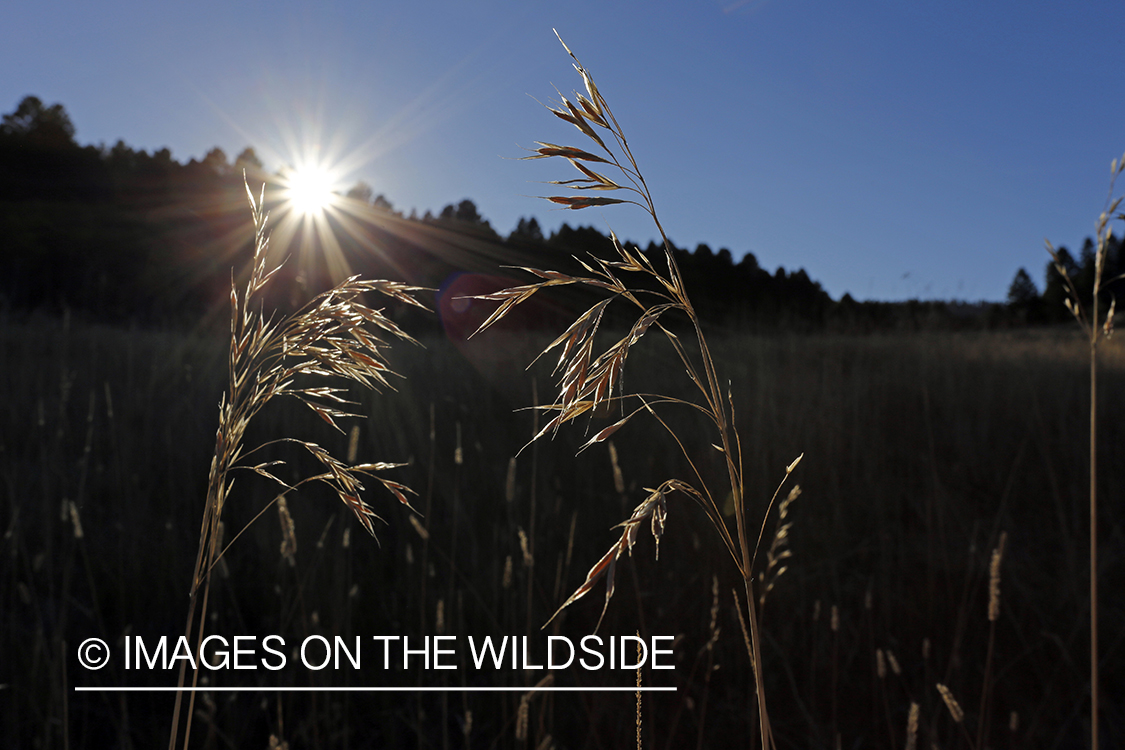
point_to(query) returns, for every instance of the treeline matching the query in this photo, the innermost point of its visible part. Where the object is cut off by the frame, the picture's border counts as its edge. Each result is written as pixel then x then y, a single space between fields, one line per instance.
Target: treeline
pixel 119 234
pixel 1027 305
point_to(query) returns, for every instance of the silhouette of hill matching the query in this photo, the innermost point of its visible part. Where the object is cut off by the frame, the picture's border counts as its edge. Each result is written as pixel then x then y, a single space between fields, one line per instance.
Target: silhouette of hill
pixel 119 234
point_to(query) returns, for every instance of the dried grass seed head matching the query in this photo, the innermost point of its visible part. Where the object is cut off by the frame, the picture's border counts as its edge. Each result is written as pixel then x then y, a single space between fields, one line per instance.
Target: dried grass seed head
pixel 951 703
pixel 994 579
pixel 912 727
pixel 893 661
pixel 335 335
pixel 288 531
pixel 652 509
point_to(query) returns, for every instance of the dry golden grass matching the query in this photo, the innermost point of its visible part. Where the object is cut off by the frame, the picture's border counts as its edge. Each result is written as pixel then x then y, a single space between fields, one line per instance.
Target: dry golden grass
pixel 779 548
pixel 591 378
pixel 912 727
pixel 951 703
pixel 335 336
pixel 866 482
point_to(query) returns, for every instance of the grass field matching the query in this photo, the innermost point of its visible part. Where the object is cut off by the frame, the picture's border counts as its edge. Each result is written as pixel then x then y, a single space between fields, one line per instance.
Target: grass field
pixel 918 452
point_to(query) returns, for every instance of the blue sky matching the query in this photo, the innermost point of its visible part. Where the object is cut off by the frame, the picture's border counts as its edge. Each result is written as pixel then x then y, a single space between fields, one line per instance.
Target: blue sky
pixel 892 149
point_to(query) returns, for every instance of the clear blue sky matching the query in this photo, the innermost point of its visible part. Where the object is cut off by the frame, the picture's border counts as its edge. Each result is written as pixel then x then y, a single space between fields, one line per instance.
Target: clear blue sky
pixel 892 149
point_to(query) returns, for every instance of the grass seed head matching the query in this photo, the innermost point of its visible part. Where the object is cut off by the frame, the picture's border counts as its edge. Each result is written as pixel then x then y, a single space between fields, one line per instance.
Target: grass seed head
pixel 618 476
pixel 912 727
pixel 525 549
pixel 522 719
pixel 419 528
pixel 75 520
pixel 288 532
pixel 951 703
pixel 994 579
pixel 893 661
pixel 353 443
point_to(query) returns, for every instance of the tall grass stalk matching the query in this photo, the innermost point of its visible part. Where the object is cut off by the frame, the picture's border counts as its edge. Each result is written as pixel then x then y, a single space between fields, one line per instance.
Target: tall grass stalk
pixel 589 382
pixel 1094 332
pixel 336 335
pixel 993 616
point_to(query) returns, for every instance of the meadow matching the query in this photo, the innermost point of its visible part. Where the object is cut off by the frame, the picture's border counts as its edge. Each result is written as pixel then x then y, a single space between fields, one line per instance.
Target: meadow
pixel 920 450
pixel 921 574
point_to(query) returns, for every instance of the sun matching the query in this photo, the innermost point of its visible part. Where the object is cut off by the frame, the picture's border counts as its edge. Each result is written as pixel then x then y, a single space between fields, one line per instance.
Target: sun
pixel 310 190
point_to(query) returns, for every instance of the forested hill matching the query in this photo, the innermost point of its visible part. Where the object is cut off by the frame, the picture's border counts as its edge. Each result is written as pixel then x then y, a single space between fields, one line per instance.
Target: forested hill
pixel 118 234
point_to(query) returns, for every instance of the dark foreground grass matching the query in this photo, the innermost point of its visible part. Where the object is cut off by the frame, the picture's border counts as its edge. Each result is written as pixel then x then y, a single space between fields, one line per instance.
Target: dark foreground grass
pixel 919 451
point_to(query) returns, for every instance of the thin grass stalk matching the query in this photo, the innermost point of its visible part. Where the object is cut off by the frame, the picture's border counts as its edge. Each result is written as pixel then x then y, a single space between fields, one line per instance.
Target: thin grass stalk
pixel 423 626
pixel 993 616
pixel 1094 682
pixel 814 654
pixel 1094 333
pixel 529 554
pixel 708 650
pixel 960 627
pixel 875 686
pixel 956 713
pixel 881 673
pixel 834 624
pixel 66 705
pixel 639 746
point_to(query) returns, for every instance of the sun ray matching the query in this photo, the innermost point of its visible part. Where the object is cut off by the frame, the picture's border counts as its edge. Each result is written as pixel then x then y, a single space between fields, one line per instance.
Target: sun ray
pixel 336 263
pixel 329 235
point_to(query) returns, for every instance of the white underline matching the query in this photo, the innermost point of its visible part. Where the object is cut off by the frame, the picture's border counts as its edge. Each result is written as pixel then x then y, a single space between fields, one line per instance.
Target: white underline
pixel 398 689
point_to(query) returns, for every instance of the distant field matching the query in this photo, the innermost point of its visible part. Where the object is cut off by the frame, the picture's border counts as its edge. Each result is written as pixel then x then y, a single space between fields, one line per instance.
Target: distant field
pixel 918 451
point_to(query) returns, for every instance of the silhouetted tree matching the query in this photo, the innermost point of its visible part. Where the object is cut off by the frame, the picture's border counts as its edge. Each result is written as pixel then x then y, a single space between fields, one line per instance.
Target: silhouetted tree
pixel 1055 292
pixel 248 162
pixel 121 157
pixel 1022 291
pixel 580 241
pixel 40 126
pixel 1023 298
pixel 749 263
pixel 526 231
pixel 1112 279
pixel 465 211
pixel 1084 279
pixel 361 192
pixel 383 204
pixel 464 217
pixel 216 161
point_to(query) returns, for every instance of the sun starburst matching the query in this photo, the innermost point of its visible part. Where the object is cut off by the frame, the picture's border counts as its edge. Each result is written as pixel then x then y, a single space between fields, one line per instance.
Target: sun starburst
pixel 310 189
